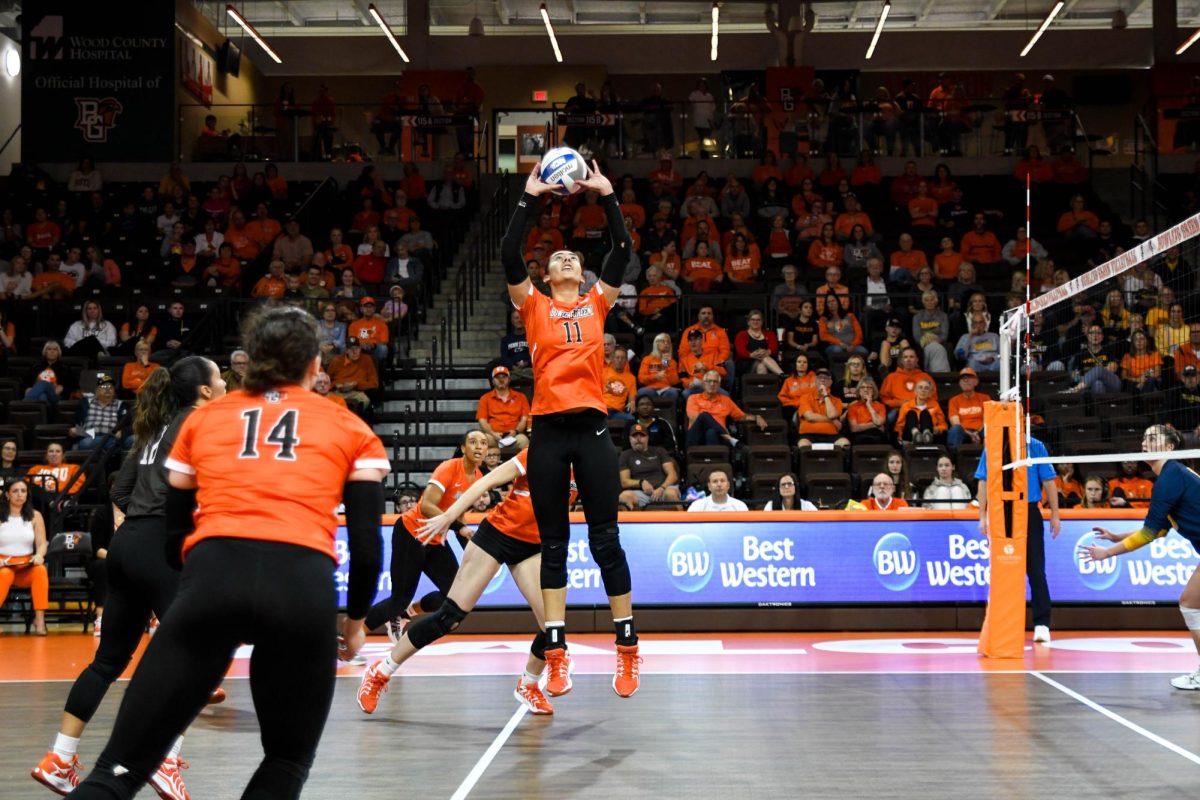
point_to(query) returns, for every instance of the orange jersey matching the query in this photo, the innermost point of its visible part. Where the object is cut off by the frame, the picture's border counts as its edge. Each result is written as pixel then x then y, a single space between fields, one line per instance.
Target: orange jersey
pixel 969 410
pixel 743 269
pixel 945 265
pixel 271 466
pixel 618 388
pixel 369 332
pixel 796 388
pixel 514 516
pixel 655 298
pixel 41 474
pixel 655 374
pixel 1136 490
pixel 566 341
pixel 502 414
pixel 896 504
pixel 453 480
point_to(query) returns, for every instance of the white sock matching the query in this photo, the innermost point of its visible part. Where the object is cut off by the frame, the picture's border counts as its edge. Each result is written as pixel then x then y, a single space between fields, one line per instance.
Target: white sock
pixel 65 746
pixel 387 666
pixel 175 748
pixel 529 678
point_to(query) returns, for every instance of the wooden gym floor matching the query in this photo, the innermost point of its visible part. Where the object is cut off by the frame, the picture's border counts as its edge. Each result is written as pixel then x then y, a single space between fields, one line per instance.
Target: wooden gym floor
pixel 718 716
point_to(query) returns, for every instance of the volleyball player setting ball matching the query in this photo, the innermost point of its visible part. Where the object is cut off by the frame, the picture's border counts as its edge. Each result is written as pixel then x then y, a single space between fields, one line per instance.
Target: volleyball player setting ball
pixel 1174 503
pixel 140 582
pixel 507 537
pixel 254 478
pixel 565 332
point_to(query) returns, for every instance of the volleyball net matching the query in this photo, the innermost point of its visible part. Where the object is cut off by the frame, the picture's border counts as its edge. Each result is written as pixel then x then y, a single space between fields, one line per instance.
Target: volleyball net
pixel 1093 362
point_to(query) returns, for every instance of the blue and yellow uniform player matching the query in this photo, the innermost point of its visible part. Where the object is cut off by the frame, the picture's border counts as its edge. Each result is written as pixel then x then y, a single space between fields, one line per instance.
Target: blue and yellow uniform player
pixel 1174 503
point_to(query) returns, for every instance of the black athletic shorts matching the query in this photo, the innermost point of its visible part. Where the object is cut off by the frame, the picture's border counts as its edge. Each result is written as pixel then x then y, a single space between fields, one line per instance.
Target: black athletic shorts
pixel 503 548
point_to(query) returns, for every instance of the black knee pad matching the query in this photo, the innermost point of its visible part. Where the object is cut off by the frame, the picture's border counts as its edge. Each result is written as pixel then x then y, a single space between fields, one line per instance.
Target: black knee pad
pixel 431 602
pixel 554 565
pixel 538 648
pixel 606 549
pixel 428 628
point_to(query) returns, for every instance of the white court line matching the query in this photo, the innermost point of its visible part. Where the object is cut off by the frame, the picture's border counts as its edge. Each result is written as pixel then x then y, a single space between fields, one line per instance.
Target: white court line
pixel 485 760
pixel 1117 718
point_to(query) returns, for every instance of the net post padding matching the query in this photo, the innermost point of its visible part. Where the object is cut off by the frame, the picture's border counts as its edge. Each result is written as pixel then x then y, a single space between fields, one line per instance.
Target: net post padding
pixel 1003 633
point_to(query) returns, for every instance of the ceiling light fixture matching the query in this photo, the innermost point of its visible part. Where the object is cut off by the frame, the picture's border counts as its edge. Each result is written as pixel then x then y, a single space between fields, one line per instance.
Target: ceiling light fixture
pixel 387 31
pixel 249 29
pixel 883 15
pixel 716 14
pixel 1042 29
pixel 550 31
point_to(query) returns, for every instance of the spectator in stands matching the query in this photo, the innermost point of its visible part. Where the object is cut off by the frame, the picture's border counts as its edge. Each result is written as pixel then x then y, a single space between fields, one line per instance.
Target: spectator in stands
pixel 743 261
pixel 714 338
pixel 859 250
pixel 1114 316
pixel 904 186
pixel 92 334
pixel 51 282
pixel 1188 353
pixel 853 373
pixel 804 333
pixel 55 474
pixel 931 329
pixel 921 419
pixel 866 417
pixel 658 374
pixel 1094 495
pixel 620 387
pixel 946 491
pixel 395 309
pixel 1070 490
pixel 9 467
pixel 900 385
pixel 503 413
pixel 17 283
pixel 978 347
pixel 135 373
pixel 1095 368
pixel 1016 249
pixel 349 288
pixel 1182 406
pixel 694 363
pixel 225 271
pixel 1078 223
pixel 893 344
pixel 514 350
pixel 648 474
pixel 175 333
pixel 371 331
pixel 322 385
pixel 979 245
pixel 294 249
pixel 718 498
pixel 1068 171
pixel 656 303
pixel 905 262
pixel 966 411
pixel 757 349
pixel 883 490
pixel 85 178
pixel 1141 286
pixel 353 376
pixel 788 295
pixel 947 261
pixel 832 286
pixel 708 414
pixel 662 432
pixel 420 243
pixel 1129 489
pixel 273 284
pixel 1171 334
pixel 370 268
pixel 964 288
pixel 331 332
pixel 262 230
pixel 24 554
pixel 313 288
pixel 820 414
pixel 840 331
pixel 235 376
pixel 1172 269
pixel 1141 367
pixel 1157 315
pixel 100 416
pixel 787 496
pixel 825 252
pixel 50 380
pixel 43 234
pixel 796 387
pixel 1033 166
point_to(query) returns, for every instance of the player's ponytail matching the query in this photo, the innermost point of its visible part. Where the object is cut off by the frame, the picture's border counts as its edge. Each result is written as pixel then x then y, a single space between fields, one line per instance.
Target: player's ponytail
pixel 155 405
pixel 282 343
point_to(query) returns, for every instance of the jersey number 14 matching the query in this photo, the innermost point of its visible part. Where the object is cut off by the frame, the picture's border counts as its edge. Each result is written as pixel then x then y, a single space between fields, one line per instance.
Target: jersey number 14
pixel 282 434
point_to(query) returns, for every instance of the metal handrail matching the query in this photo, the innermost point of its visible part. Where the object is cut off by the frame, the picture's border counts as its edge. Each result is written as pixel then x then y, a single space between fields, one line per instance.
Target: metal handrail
pixel 11 136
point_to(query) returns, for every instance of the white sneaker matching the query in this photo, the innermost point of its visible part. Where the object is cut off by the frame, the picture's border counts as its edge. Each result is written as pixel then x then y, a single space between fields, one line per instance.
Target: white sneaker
pixel 395 629
pixel 1041 633
pixel 1189 682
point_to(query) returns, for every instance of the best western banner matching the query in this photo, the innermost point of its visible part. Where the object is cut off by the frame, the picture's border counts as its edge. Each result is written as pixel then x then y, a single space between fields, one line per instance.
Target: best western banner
pixel 869 559
pixel 97 82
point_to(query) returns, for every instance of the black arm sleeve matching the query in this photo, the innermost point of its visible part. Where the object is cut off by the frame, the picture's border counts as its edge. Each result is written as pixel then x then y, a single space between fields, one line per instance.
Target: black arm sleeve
pixel 122 488
pixel 511 255
pixel 177 518
pixel 618 257
pixel 364 507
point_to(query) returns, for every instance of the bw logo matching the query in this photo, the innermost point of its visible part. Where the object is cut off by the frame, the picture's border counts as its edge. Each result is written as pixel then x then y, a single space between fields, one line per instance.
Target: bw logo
pixel 46 40
pixel 96 117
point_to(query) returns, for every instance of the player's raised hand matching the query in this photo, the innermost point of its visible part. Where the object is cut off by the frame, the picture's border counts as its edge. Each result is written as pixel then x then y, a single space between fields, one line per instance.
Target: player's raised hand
pixel 595 181
pixel 534 184
pixel 1107 535
pixel 1093 552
